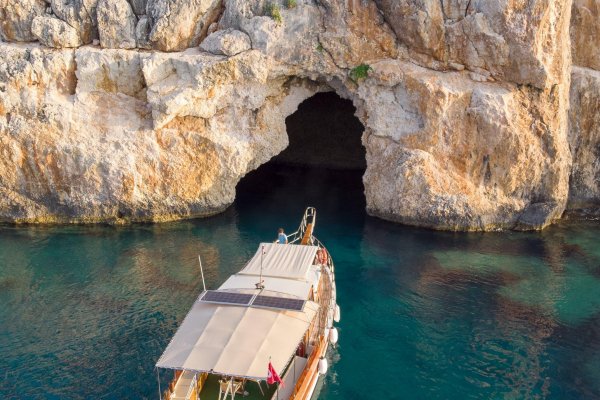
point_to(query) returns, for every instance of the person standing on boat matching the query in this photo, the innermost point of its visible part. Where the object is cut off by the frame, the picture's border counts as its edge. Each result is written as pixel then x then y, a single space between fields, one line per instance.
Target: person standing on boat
pixel 281 237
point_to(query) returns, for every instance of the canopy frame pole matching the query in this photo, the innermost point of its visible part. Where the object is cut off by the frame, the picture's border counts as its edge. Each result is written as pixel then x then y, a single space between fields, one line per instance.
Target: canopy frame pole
pixel 260 285
pixel 158 380
pixel 260 387
pixel 202 273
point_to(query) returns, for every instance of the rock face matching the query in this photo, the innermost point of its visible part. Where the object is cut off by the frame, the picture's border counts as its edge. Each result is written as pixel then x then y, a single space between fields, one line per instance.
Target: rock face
pixel 53 32
pixel 464 104
pixel 584 117
pixel 116 24
pixel 228 42
pixel 177 26
pixel 16 18
pixel 585 33
pixel 584 138
pixel 79 14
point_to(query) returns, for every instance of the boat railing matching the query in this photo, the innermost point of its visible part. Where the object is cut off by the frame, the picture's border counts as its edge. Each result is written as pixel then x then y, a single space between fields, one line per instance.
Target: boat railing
pixel 304 382
pixel 309 218
pixel 192 388
pixel 329 262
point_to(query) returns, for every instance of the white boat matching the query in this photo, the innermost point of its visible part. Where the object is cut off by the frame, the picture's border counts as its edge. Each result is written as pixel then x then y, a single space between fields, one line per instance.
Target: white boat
pixel 278 311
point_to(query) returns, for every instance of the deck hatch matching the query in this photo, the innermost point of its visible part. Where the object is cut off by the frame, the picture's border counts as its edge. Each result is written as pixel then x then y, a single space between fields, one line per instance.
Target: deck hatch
pixel 280 303
pixel 220 297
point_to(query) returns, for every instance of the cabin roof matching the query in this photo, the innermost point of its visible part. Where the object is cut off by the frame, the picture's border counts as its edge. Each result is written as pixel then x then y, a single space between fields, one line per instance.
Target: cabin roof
pixel 236 341
pixel 294 287
pixel 290 261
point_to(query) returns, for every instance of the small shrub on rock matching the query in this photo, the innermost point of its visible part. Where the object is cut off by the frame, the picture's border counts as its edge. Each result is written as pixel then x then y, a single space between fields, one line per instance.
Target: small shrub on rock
pixel 273 11
pixel 291 3
pixel 360 72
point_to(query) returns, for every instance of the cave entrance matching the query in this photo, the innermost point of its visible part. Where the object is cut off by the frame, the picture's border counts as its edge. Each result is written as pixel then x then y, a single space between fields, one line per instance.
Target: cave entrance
pixel 322 166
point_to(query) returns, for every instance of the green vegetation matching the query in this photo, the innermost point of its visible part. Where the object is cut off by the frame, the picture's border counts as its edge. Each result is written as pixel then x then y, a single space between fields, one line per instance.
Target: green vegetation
pixel 273 11
pixel 320 47
pixel 291 3
pixel 360 72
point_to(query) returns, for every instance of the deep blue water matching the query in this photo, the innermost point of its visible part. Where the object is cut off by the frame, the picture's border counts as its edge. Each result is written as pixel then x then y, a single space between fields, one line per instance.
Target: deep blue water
pixel 85 311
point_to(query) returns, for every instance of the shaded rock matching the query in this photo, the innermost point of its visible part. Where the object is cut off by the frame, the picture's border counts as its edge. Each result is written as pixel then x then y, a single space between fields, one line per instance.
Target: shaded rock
pixel 178 26
pixel 584 139
pixel 585 33
pixel 142 30
pixel 138 6
pixel 455 10
pixel 227 42
pixel 16 18
pixel 116 24
pixel 80 14
pixel 53 32
pixel 538 216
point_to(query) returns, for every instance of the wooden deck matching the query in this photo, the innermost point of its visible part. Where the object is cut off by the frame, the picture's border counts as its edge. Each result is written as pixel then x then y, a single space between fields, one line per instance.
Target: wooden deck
pixel 290 378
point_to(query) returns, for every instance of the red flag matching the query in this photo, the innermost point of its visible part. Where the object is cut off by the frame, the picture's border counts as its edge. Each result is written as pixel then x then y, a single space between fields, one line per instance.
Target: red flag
pixel 272 376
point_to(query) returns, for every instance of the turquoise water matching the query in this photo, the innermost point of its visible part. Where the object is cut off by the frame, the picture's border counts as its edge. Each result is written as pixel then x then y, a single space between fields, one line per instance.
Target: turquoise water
pixel 86 311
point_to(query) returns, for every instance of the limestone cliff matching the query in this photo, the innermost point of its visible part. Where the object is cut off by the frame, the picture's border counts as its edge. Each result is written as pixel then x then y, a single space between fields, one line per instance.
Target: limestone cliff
pixel 155 109
pixel 584 115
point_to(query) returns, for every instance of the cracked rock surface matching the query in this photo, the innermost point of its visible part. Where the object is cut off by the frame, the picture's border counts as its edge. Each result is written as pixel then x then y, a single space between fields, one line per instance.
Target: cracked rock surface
pixel 465 106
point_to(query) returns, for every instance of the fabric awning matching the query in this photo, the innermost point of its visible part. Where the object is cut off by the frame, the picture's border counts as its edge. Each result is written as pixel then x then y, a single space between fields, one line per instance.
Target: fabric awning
pixel 236 341
pixel 282 260
pixel 294 287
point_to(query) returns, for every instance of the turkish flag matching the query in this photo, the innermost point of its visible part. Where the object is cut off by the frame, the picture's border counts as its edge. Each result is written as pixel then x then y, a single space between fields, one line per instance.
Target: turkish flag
pixel 272 376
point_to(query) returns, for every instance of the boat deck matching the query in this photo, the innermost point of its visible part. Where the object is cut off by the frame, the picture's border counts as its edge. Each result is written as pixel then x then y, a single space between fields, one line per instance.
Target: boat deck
pixel 290 378
pixel 210 390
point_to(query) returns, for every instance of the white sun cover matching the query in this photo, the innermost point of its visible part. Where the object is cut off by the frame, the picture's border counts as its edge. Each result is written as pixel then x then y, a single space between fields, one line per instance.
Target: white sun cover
pixel 236 341
pixel 282 260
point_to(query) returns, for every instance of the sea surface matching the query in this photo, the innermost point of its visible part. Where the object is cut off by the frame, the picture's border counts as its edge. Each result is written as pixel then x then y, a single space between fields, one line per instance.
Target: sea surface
pixel 85 311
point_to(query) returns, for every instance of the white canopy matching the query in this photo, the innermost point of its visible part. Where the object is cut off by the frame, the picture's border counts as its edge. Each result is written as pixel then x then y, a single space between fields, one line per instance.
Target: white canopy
pixel 236 341
pixel 294 287
pixel 282 260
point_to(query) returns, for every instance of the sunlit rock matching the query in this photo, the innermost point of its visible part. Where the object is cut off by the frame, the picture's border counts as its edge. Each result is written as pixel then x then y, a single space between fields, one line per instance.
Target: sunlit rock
pixel 228 42
pixel 116 24
pixel 464 105
pixel 53 32
pixel 16 18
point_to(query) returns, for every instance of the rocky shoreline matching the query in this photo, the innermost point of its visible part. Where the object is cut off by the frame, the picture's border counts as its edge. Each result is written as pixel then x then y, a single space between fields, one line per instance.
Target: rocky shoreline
pixel 476 115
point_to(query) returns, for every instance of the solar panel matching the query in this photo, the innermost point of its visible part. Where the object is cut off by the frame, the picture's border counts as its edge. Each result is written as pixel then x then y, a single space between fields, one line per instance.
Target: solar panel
pixel 215 296
pixel 282 303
